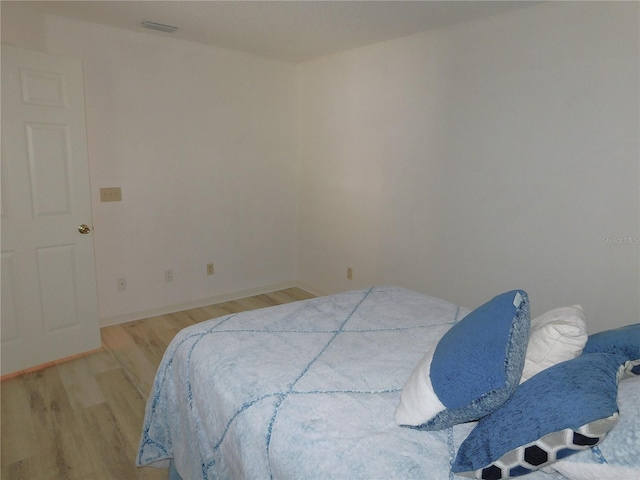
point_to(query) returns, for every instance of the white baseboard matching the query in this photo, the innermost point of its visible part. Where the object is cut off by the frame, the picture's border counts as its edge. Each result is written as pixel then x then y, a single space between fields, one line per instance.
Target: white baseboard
pixel 130 317
pixel 310 289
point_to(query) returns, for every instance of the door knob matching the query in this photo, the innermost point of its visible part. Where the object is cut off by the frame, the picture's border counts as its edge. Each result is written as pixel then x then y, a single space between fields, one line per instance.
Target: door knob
pixel 84 229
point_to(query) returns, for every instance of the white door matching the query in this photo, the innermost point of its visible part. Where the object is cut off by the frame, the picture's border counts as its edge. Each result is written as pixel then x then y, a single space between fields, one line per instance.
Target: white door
pixel 49 295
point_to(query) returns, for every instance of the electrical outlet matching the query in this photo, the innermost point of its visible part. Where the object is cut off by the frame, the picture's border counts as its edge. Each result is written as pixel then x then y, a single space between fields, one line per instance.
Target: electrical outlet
pixel 168 275
pixel 349 273
pixel 209 268
pixel 122 284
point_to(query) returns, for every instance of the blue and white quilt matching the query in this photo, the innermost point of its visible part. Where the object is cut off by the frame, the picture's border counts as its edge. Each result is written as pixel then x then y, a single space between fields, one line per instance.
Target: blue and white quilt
pixel 306 390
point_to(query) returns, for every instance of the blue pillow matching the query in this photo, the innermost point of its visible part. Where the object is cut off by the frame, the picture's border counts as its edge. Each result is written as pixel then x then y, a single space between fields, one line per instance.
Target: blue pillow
pixel 623 341
pixel 564 409
pixel 474 368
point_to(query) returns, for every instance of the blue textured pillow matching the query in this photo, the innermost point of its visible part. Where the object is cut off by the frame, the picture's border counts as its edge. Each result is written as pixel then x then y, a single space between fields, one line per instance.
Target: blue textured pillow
pixel 474 368
pixel 623 341
pixel 564 409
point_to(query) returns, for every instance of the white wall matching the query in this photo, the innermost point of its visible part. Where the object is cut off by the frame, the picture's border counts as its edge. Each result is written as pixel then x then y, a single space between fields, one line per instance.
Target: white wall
pixel 498 154
pixel 201 141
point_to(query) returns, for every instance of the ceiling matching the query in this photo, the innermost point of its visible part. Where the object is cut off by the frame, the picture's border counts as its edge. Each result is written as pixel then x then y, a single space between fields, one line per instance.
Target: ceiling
pixel 288 30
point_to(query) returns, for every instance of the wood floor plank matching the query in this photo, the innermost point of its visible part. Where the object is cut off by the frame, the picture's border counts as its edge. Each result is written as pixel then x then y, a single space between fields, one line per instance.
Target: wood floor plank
pixel 82 419
pixel 151 473
pixel 80 384
pixel 47 396
pixel 114 450
pixel 41 466
pixel 116 338
pixel 215 311
pixel 197 315
pixel 145 337
pixel 102 362
pixel 140 370
pixel 17 470
pixel 164 322
pixel 125 402
pixel 132 359
pixel 66 447
pixel 17 423
pixel 231 306
pixel 166 326
pixel 289 295
pixel 167 335
pixel 255 302
pixel 181 319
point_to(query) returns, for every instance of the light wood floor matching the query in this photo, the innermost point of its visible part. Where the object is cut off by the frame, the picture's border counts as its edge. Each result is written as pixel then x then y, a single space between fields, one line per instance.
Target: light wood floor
pixel 82 419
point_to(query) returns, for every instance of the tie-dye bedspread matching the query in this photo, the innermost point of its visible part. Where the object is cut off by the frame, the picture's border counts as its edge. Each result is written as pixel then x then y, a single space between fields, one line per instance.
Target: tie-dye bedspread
pixel 306 390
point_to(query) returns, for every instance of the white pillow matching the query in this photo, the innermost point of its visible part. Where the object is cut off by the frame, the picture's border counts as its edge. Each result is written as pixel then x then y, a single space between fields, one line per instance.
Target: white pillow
pixel 555 336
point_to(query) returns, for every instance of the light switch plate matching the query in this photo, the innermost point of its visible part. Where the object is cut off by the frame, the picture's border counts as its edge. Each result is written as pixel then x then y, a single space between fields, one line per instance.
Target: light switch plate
pixel 111 194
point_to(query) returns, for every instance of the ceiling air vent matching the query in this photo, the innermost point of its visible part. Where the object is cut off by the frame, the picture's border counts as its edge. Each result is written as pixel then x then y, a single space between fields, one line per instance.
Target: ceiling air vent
pixel 159 26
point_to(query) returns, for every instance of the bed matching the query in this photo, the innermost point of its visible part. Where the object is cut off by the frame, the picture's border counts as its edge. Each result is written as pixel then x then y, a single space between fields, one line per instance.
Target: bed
pixel 311 390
